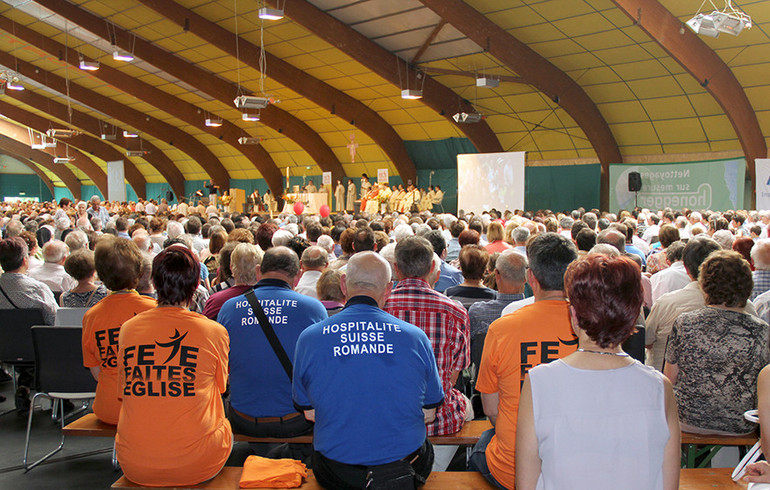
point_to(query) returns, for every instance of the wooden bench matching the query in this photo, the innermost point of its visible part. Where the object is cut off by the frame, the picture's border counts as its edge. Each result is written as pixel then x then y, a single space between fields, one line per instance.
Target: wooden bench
pixel 230 476
pixel 689 479
pixel 706 446
pixel 90 426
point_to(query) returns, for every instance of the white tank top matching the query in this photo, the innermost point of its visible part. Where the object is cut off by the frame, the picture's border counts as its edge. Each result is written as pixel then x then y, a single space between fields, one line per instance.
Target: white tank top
pixel 599 429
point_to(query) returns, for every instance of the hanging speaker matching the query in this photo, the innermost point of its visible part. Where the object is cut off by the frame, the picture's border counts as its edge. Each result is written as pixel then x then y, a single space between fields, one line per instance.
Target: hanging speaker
pixel 634 182
pixel 169 196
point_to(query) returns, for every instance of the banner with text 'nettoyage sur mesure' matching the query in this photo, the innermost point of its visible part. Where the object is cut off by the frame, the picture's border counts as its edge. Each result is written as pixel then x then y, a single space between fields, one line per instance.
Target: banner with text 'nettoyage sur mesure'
pixel 714 184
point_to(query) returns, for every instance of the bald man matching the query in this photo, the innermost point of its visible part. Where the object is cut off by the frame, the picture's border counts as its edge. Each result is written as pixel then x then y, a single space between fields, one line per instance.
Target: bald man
pixel 383 363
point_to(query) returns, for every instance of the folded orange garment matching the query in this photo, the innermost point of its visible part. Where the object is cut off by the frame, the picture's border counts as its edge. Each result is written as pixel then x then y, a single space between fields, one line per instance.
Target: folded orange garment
pixel 261 472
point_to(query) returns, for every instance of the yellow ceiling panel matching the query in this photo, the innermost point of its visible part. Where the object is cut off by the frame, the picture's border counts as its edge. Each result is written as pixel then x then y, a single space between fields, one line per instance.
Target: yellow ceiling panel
pixel 679 131
pixel 625 111
pixel 660 87
pixel 635 133
pixel 718 127
pixel 669 108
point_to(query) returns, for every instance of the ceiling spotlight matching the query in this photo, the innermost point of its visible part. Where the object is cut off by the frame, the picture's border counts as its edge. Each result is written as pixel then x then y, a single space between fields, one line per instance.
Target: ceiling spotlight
pixel 130 134
pixel 38 146
pixel 247 140
pixel 118 55
pixel 250 116
pixel 214 122
pixel 487 82
pixel 61 133
pixel 251 102
pixel 62 159
pixel 267 13
pixel 14 84
pixel 109 136
pixel 411 94
pixel 88 65
pixel 136 153
pixel 703 24
pixel 467 118
pixel 729 20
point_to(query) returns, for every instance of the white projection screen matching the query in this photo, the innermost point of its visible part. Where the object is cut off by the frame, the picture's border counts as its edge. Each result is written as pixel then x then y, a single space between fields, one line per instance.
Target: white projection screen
pixel 116 183
pixel 490 180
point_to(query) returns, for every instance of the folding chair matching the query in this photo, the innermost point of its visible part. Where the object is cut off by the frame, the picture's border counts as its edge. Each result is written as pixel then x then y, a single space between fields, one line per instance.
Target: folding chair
pixel 60 374
pixel 70 316
pixel 16 348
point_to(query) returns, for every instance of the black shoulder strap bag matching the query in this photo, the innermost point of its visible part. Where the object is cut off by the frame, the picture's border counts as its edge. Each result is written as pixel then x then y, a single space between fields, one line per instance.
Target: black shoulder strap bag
pixel 270 333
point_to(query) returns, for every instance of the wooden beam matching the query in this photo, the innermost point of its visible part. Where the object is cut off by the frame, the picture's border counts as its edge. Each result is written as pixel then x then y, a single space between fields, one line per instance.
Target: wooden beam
pixel 428 41
pixel 541 74
pixel 20 150
pixel 83 142
pixel 159 129
pixel 46 180
pixel 216 87
pixel 79 159
pixel 440 98
pixel 707 68
pixel 313 89
pixel 89 124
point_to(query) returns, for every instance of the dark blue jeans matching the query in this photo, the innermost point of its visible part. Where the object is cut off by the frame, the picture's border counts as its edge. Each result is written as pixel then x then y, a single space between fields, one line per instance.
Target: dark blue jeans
pixel 334 475
pixel 478 459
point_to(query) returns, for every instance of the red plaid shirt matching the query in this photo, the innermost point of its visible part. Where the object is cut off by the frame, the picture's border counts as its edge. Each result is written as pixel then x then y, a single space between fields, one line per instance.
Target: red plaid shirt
pixel 448 328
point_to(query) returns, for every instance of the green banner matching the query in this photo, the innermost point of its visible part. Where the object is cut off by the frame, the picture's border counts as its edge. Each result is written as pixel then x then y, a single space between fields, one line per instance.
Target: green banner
pixel 716 185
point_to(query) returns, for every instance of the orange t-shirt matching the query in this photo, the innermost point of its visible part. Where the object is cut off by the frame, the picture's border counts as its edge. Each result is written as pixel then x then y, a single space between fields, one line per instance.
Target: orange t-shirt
pixel 535 334
pixel 101 325
pixel 172 371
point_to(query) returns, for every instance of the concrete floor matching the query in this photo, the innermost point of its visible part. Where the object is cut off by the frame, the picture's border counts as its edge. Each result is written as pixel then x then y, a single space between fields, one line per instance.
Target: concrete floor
pixel 84 463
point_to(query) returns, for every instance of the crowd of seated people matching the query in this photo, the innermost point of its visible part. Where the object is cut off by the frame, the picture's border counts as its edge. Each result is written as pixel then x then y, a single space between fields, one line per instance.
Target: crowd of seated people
pixel 174 321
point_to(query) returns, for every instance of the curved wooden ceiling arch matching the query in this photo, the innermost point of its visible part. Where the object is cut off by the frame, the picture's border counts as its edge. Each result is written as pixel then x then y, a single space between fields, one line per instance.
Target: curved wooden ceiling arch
pixel 32 166
pixel 225 92
pixel 538 72
pixel 706 67
pixel 22 151
pixel 140 90
pixel 156 157
pixel 440 98
pixel 80 160
pixel 159 129
pixel 313 89
pixel 82 142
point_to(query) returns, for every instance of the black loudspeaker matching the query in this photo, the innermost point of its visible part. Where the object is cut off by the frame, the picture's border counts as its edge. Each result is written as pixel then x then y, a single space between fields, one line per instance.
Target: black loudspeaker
pixel 634 182
pixel 169 196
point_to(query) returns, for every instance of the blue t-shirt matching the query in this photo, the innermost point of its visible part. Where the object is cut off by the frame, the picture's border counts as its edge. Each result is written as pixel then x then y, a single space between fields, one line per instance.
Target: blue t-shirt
pixel 449 277
pixel 367 375
pixel 259 386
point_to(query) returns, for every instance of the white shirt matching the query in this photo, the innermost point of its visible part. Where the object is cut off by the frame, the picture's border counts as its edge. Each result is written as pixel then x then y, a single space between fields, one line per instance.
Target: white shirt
pixel 307 282
pixel 670 279
pixel 518 304
pixel 650 232
pixel 54 276
pixel 150 209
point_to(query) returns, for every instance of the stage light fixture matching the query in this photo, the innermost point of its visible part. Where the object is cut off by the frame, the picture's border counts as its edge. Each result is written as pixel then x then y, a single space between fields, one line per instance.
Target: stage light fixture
pixel 213 122
pixel 248 140
pixel 729 20
pixel 467 118
pixel 61 133
pixel 14 84
pixel 109 137
pixel 487 82
pixel 267 13
pixel 88 65
pixel 62 159
pixel 250 116
pixel 136 153
pixel 251 102
pixel 411 94
pixel 118 55
pixel 130 134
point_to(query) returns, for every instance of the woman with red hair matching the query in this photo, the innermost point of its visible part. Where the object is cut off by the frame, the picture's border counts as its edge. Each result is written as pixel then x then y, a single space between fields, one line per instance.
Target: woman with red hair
pixel 597 418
